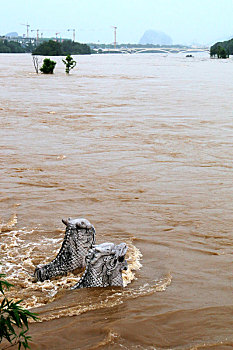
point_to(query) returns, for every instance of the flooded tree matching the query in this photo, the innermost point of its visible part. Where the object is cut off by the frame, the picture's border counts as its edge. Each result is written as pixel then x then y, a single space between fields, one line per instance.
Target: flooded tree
pixel 36 63
pixel 221 52
pixel 222 49
pixel 70 63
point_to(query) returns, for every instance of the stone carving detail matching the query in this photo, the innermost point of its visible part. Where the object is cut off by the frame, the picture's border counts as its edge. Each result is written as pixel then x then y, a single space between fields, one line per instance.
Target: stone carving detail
pixel 104 265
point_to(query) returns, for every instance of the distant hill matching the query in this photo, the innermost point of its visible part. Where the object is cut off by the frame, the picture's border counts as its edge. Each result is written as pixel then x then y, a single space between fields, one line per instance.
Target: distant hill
pixel 156 38
pixel 227 45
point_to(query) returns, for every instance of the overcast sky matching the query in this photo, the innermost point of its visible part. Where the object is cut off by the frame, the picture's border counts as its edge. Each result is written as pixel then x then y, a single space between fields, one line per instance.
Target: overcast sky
pixel 185 21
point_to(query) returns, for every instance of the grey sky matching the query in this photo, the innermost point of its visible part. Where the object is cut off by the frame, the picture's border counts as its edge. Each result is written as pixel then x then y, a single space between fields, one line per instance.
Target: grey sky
pixel 186 21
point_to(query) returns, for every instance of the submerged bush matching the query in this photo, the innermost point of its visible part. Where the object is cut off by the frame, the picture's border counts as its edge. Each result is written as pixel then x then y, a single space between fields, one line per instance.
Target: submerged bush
pixel 13 319
pixel 48 66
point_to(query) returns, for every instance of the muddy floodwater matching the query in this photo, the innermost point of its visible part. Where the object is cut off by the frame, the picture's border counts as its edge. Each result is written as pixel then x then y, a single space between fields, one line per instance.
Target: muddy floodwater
pixel 141 146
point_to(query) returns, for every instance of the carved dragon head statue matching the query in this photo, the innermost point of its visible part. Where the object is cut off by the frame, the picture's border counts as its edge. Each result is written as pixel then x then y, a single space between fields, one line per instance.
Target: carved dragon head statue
pixel 79 238
pixel 104 265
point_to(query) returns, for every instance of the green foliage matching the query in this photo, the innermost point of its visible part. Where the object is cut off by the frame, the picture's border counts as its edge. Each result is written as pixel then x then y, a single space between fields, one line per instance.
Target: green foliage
pixel 48 66
pixel 29 46
pixel 221 52
pixel 219 48
pixel 13 319
pixel 67 47
pixel 72 48
pixel 48 48
pixel 10 47
pixel 70 63
pixel 212 52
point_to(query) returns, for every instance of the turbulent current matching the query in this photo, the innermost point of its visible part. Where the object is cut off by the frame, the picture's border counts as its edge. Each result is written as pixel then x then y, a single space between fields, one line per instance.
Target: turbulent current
pixel 141 146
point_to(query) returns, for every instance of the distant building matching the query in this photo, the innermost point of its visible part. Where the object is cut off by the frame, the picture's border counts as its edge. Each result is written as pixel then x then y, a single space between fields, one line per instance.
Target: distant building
pixel 12 35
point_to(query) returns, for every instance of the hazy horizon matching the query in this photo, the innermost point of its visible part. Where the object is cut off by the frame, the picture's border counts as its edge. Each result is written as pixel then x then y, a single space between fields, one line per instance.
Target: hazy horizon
pixel 185 21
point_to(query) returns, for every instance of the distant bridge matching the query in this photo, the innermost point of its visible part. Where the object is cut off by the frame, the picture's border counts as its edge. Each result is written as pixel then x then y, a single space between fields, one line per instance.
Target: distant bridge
pixel 166 50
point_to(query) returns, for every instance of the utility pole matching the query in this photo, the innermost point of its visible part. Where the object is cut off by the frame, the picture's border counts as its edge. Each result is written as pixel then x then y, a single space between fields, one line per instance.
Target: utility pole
pixel 115 42
pixel 68 30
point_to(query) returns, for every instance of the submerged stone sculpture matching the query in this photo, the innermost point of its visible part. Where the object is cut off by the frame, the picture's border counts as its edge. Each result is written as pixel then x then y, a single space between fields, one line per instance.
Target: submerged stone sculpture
pixel 104 265
pixel 79 238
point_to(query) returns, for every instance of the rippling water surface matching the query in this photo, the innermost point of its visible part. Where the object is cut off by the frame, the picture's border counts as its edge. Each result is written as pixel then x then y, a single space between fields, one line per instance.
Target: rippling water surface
pixel 141 146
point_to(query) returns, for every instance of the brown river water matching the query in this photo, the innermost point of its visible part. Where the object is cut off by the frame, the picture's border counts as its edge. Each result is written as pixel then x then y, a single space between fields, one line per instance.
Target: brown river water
pixel 141 146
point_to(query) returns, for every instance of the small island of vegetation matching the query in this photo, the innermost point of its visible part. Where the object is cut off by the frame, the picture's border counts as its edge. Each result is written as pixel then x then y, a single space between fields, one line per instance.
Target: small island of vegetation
pixel 222 49
pixel 45 48
pixel 67 47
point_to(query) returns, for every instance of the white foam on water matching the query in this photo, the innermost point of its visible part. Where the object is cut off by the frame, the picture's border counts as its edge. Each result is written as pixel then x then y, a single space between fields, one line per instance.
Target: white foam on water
pixel 104 300
pixel 21 255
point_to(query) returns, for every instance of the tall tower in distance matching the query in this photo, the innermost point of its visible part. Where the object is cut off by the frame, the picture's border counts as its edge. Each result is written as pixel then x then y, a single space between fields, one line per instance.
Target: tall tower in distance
pixel 115 42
